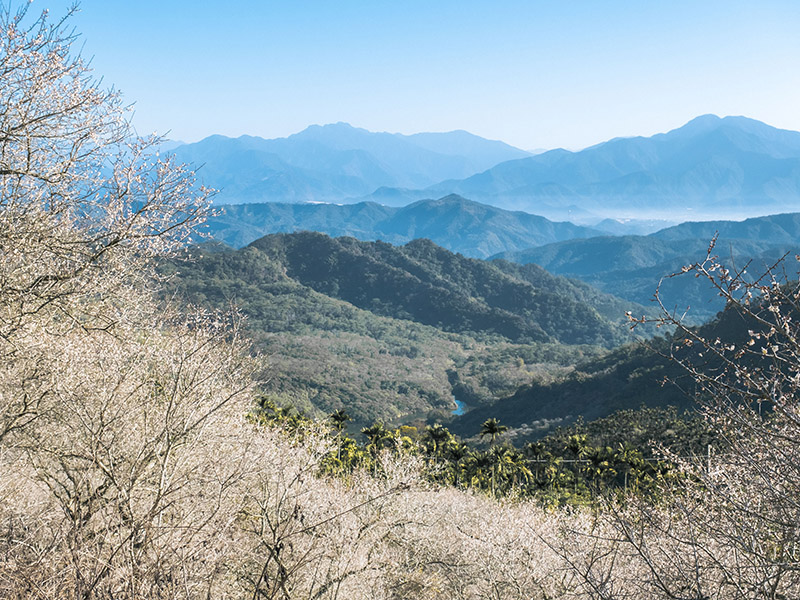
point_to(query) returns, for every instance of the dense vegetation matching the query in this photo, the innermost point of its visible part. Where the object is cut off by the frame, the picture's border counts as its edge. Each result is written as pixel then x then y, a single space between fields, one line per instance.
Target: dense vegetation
pixel 652 373
pixel 574 465
pixel 425 283
pixel 337 319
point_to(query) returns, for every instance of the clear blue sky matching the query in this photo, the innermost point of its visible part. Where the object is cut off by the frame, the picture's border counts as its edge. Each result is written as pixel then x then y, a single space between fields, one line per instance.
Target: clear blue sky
pixel 535 74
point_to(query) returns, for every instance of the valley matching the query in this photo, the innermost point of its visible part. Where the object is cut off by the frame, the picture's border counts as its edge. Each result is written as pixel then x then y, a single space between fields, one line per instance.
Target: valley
pixel 391 311
pixel 390 333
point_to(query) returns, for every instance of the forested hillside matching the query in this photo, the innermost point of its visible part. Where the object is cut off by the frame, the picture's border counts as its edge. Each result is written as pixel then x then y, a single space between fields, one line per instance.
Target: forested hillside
pixel 423 282
pixel 386 332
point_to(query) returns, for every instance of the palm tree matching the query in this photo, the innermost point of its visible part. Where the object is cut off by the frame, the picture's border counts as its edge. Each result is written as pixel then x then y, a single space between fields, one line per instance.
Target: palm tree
pixel 339 418
pixel 518 465
pixel 379 437
pixel 477 465
pixel 601 465
pixel 500 465
pixel 578 445
pixel 492 428
pixel 537 453
pixel 631 458
pixel 439 438
pixel 457 454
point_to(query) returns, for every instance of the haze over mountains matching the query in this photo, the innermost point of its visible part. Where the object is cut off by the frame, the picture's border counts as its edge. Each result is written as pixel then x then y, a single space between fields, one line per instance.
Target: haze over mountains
pixel 712 167
pixel 337 162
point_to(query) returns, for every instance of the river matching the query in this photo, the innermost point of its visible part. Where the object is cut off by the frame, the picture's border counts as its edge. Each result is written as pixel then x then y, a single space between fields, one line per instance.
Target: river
pixel 460 409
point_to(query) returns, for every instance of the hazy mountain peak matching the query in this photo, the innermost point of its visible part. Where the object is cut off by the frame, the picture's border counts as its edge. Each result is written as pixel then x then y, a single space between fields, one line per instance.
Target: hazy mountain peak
pixel 703 122
pixel 707 123
pixel 339 126
pixel 337 162
pixel 213 138
pixel 334 133
pixel 449 199
pixel 698 125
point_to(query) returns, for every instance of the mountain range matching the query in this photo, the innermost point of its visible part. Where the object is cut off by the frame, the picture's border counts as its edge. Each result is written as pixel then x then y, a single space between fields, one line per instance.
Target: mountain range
pixel 629 266
pixel 732 166
pixel 336 162
pixel 460 225
pixel 712 166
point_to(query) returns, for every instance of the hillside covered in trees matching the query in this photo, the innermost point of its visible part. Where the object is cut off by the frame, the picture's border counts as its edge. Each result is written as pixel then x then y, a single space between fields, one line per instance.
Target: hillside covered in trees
pixel 386 332
pixel 423 282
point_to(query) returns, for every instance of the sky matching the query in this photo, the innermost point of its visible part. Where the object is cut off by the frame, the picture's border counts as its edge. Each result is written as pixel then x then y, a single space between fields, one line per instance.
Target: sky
pixel 535 74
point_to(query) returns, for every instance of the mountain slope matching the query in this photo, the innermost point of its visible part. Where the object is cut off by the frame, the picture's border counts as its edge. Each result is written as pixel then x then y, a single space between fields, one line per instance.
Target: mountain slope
pixel 632 266
pixel 428 284
pixel 240 224
pixel 460 225
pixel 772 229
pixel 629 377
pixel 324 354
pixel 474 229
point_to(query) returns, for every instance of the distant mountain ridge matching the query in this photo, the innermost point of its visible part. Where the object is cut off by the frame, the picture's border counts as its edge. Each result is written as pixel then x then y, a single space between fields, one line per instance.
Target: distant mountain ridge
pixel 733 165
pixel 773 229
pixel 460 225
pixel 335 162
